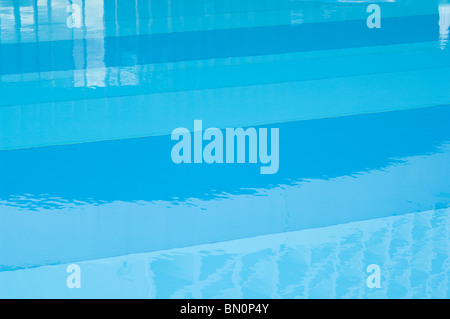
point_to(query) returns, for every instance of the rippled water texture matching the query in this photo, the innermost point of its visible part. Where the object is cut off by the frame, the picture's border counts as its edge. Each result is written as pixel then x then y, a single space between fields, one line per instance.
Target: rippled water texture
pixel 87 107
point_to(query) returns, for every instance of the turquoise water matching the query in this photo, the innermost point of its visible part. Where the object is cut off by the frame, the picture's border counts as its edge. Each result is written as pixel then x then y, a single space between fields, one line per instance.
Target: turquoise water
pixel 413 251
pixel 86 175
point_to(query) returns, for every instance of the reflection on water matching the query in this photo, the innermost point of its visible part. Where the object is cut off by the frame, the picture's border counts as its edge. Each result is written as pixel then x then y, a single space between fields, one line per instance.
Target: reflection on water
pixel 365 136
pixel 118 197
pixel 444 24
pixel 329 262
pixel 147 73
pixel 413 252
pixel 32 22
pixel 139 47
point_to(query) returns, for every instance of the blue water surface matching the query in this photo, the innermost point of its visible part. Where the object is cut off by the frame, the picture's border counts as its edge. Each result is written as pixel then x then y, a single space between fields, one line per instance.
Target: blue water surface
pixel 86 175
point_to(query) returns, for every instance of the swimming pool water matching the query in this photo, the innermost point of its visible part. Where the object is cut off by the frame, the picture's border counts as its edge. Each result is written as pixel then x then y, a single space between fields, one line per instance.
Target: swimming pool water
pixel 86 175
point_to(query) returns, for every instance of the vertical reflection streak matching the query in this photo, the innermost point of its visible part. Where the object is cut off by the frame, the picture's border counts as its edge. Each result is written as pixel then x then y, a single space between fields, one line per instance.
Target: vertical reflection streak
pixel 17 21
pixel 84 42
pixel 444 24
pixel 17 29
pixel 36 31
